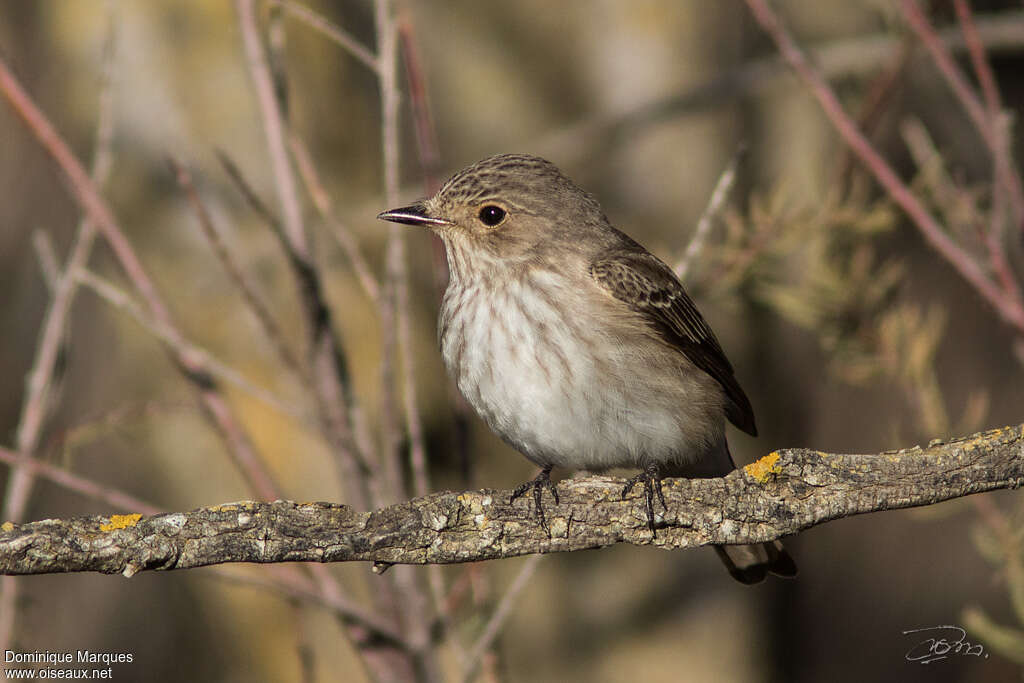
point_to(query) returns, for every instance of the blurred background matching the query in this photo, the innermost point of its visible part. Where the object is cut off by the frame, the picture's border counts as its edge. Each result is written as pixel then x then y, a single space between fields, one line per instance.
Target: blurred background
pixel 847 331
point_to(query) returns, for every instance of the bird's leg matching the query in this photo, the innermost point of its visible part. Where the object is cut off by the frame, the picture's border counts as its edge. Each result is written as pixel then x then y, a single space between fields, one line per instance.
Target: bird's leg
pixel 651 478
pixel 538 483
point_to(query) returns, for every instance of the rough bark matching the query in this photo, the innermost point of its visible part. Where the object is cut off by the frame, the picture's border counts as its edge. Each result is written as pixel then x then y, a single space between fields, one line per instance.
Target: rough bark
pixel 783 493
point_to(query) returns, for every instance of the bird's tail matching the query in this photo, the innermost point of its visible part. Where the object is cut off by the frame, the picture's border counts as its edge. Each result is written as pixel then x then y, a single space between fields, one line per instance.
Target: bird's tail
pixel 752 563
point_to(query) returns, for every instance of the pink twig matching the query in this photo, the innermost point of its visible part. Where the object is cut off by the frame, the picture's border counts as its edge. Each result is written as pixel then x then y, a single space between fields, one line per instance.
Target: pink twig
pixel 329 372
pixel 430 160
pixel 328 363
pixel 1003 170
pixel 387 56
pixel 53 334
pixel 1007 304
pixel 426 134
pixel 273 126
pixel 979 58
pixel 295 585
pixel 235 272
pixel 986 121
pixel 88 197
pixel 79 484
pixel 335 33
pixel 498 617
pixel 700 233
pixel 943 58
pixel 322 201
pixel 396 335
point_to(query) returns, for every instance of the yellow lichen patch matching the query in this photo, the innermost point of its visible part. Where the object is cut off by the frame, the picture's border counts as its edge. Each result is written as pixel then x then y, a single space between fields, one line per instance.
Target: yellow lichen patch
pixel 762 468
pixel 7 526
pixel 121 522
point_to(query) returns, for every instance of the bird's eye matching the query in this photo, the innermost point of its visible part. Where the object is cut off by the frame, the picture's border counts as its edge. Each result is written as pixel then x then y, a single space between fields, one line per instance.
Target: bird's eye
pixel 491 215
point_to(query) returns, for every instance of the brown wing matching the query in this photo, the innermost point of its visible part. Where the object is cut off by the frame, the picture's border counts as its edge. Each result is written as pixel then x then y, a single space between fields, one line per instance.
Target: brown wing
pixel 650 287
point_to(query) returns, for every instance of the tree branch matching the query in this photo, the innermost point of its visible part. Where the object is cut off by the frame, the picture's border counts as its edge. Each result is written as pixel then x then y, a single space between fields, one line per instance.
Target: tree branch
pixel 781 494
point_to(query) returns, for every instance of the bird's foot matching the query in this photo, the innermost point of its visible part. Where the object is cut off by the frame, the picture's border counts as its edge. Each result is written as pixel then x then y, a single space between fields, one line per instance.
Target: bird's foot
pixel 651 479
pixel 538 484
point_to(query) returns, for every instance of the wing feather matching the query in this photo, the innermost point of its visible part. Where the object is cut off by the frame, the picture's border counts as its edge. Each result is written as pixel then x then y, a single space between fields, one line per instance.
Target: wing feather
pixel 649 287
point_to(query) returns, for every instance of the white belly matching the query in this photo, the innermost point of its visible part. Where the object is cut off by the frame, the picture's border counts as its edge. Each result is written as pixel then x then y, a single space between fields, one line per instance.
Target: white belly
pixel 562 394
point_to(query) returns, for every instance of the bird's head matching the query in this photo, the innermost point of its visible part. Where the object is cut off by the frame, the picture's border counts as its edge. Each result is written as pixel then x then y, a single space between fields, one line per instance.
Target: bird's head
pixel 505 206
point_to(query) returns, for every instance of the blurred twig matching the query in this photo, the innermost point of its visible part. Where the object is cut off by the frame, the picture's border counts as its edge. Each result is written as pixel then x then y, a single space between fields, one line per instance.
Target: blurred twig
pixel 53 333
pixel 78 484
pixel 397 360
pixel 390 421
pixel 332 31
pixel 47 260
pixel 881 90
pixel 89 198
pixel 1007 302
pixel 338 411
pixel 246 286
pixel 700 234
pixel 857 56
pixel 322 201
pixel 430 161
pixel 986 121
pixel 213 366
pixel 297 586
pixel 273 127
pixel 329 368
pixel 423 122
pixel 979 59
pixel 498 617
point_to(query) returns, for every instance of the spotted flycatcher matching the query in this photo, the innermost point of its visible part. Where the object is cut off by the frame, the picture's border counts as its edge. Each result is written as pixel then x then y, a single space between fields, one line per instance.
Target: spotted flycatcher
pixel 575 344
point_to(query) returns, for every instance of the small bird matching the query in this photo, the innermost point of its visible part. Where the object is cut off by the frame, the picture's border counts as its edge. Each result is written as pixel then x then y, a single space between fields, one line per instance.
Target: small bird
pixel 575 344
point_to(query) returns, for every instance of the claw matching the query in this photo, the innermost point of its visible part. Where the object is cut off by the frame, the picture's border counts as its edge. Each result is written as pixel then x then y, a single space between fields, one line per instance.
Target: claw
pixel 538 484
pixel 651 479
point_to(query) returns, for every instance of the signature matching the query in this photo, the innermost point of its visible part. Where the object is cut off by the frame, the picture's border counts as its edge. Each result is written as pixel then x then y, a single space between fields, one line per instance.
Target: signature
pixel 942 642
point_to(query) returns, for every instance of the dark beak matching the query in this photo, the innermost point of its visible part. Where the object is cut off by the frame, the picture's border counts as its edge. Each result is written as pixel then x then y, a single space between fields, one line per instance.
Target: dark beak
pixel 414 214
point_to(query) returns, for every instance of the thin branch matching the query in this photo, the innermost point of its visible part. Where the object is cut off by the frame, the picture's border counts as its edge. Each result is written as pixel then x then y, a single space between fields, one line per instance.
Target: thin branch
pixel 47 256
pixel 273 126
pixel 53 333
pixel 322 201
pixel 879 92
pixel 297 587
pixel 339 413
pixel 783 493
pixel 337 410
pixel 396 347
pixel 215 368
pixel 1008 304
pixel 943 59
pixel 334 32
pixel 718 196
pixel 394 259
pixel 79 484
pixel 979 59
pixel 1007 185
pixel 429 154
pixel 245 284
pixel 430 160
pixel 423 123
pixel 88 197
pixel 1006 175
pixel 497 620
pixel 858 56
